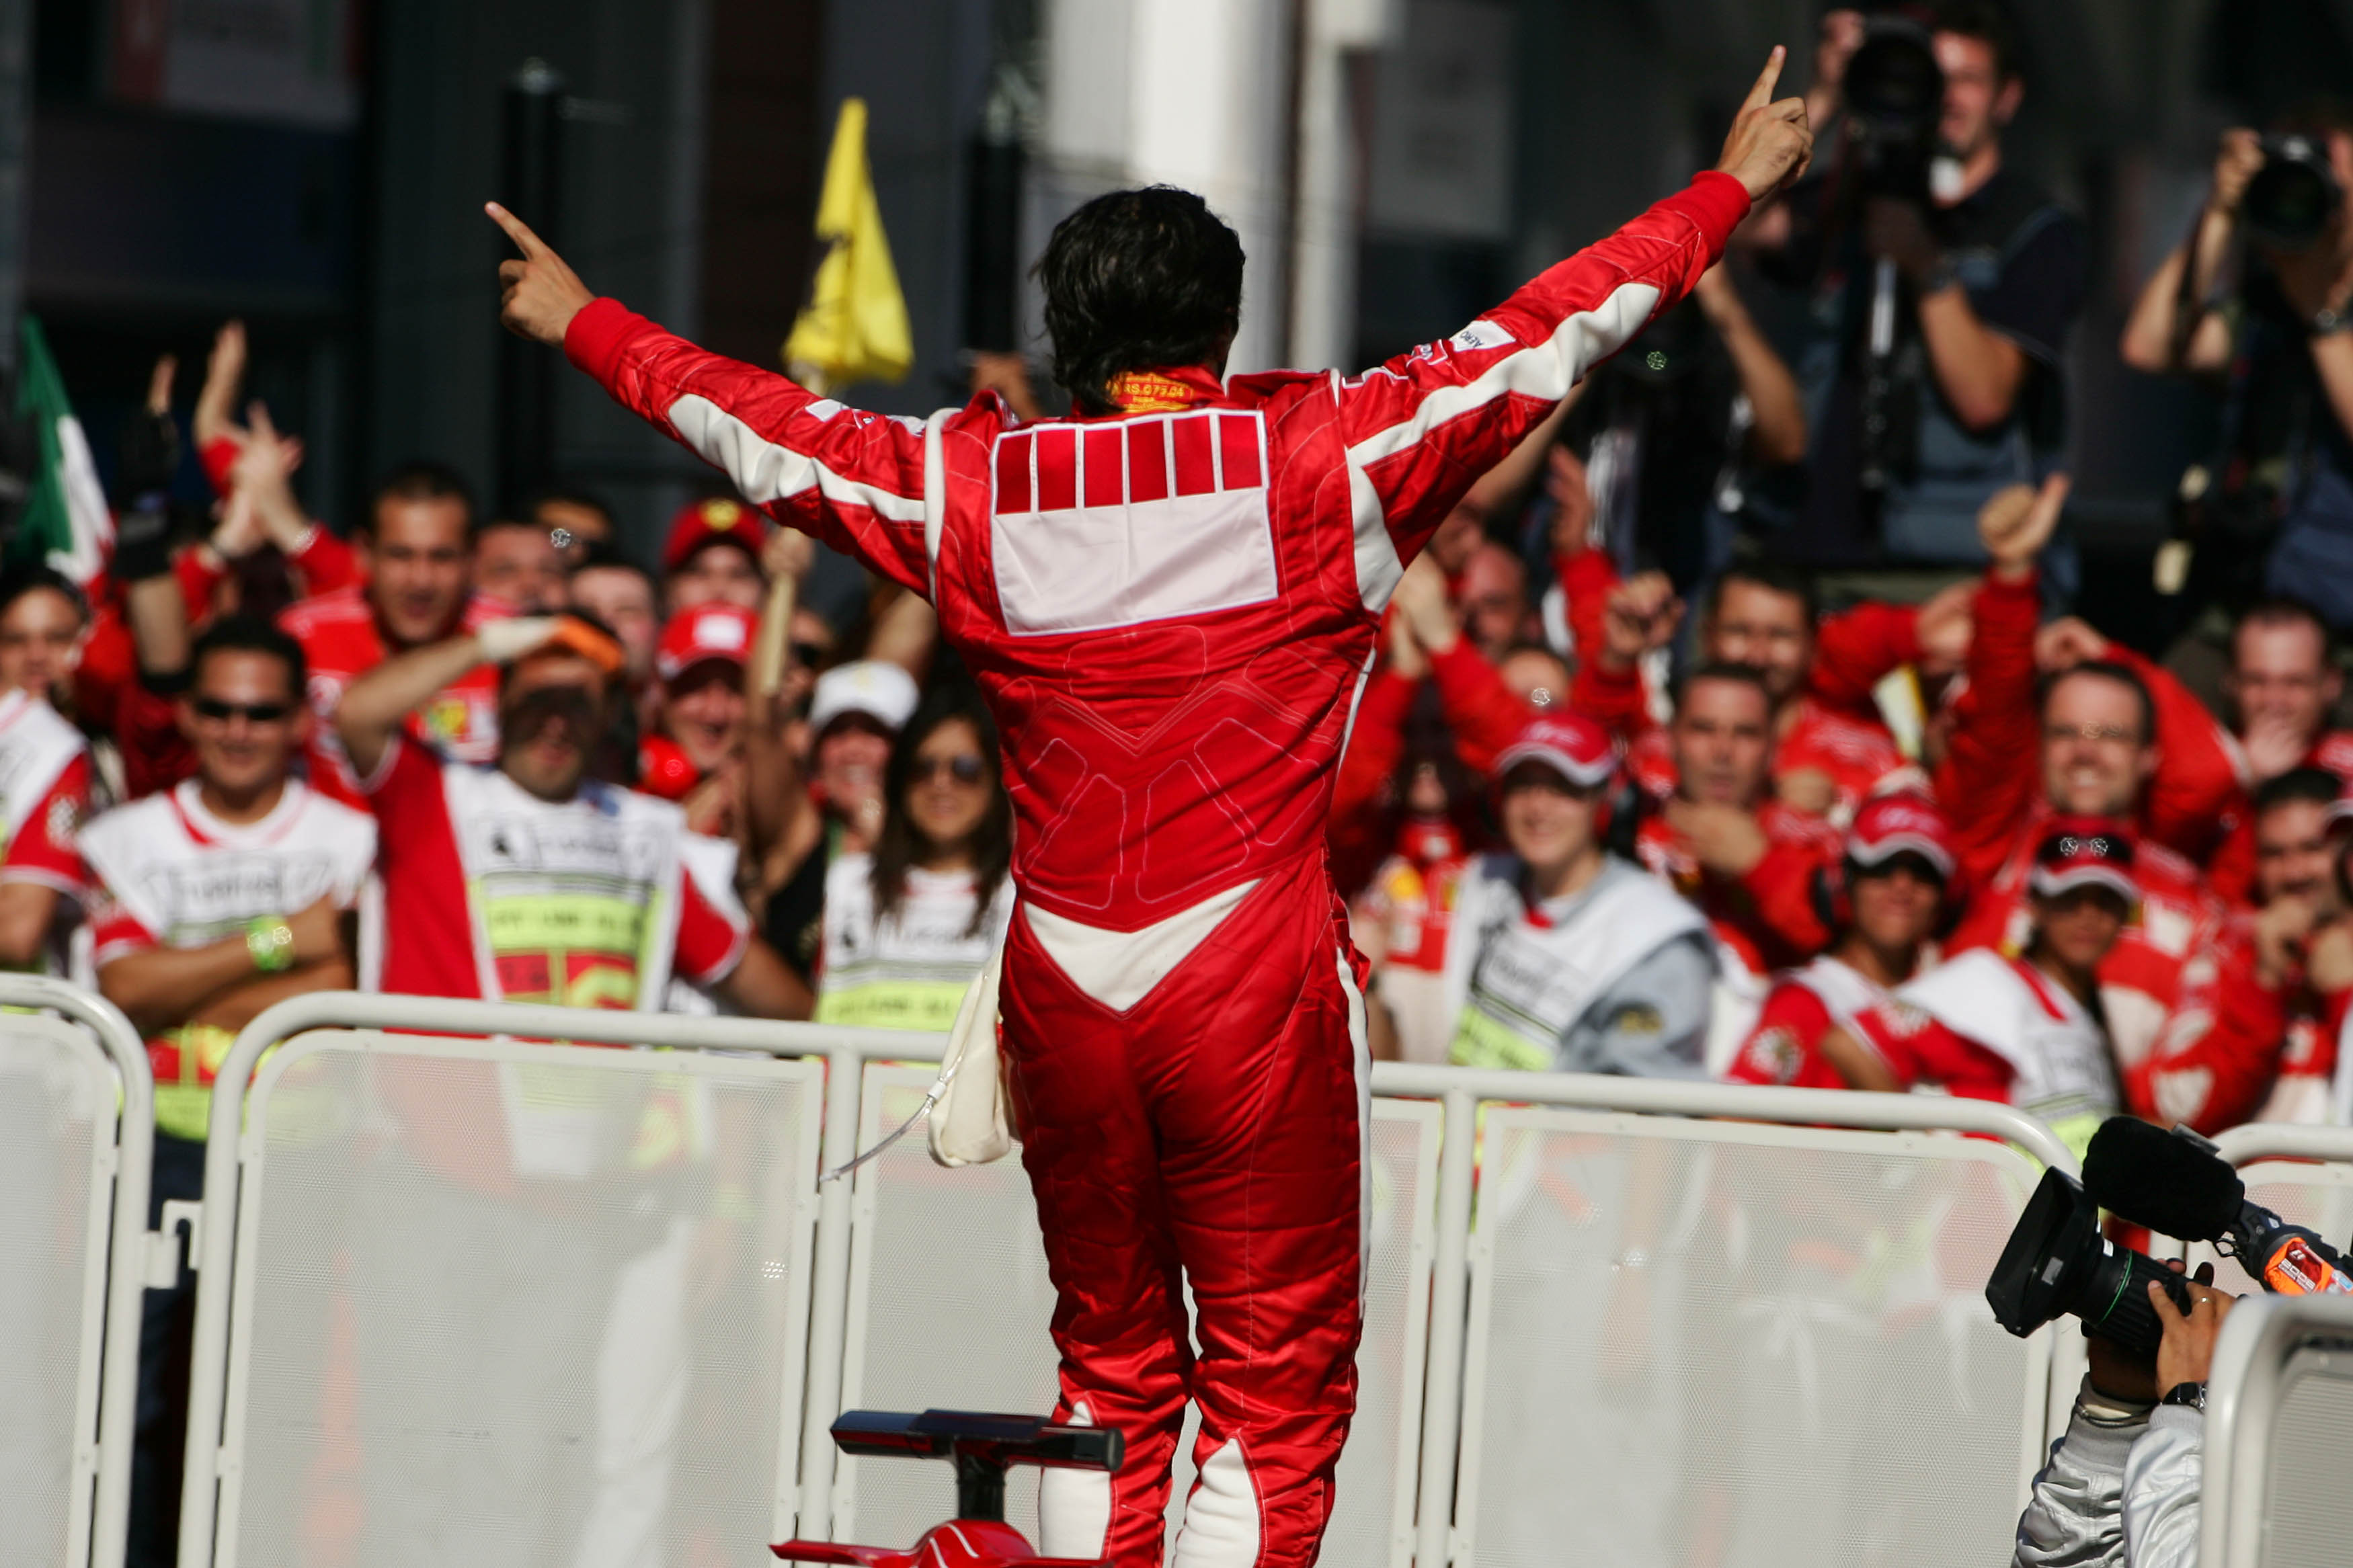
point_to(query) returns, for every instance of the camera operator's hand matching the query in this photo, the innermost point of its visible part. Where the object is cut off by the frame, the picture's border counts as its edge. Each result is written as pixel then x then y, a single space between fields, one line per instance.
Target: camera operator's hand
pixel 1898 230
pixel 541 293
pixel 2241 156
pixel 2187 1351
pixel 2016 523
pixel 1770 142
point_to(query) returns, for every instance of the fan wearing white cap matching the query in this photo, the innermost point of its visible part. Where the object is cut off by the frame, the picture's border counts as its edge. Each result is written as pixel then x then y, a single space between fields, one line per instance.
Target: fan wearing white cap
pixel 855 712
pixel 2028 1029
pixel 1891 894
pixel 1563 957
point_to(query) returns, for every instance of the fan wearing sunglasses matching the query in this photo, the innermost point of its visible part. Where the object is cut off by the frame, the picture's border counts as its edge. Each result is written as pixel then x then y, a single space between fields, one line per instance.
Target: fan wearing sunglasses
pixel 214 900
pixel 907 926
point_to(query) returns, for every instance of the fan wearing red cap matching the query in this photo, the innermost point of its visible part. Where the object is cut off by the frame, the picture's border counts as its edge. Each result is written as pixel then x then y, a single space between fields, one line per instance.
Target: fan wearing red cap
pixel 1895 889
pixel 2029 1029
pixel 712 556
pixel 1563 957
pixel 700 662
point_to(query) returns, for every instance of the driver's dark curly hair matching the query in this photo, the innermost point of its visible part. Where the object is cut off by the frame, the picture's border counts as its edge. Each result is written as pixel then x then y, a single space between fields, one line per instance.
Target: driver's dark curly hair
pixel 1136 280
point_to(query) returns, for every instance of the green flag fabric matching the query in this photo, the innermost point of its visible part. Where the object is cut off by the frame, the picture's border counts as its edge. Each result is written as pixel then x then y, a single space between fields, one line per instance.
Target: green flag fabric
pixel 66 521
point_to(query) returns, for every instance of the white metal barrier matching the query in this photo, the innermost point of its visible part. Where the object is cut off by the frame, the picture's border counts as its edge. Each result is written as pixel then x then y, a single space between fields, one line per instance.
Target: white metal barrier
pixel 1723 1410
pixel 77 1145
pixel 2279 1424
pixel 476 1299
pixel 390 1208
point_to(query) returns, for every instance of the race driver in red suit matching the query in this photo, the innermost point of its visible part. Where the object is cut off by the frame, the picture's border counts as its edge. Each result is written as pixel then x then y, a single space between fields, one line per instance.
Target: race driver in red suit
pixel 1169 601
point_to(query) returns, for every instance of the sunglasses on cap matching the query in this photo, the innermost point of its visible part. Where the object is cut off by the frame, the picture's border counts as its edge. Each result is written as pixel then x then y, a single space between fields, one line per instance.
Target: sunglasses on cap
pixel 220 712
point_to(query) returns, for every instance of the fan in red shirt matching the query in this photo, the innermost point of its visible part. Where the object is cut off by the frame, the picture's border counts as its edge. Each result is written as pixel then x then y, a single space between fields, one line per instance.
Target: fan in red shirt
pixel 46 781
pixel 2101 725
pixel 2290 958
pixel 2284 685
pixel 419 551
pixel 2025 1029
pixel 1894 890
pixel 1748 861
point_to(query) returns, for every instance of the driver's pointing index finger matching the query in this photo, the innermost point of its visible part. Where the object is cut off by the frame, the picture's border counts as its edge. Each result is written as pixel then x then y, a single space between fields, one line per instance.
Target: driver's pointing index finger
pixel 1762 93
pixel 530 244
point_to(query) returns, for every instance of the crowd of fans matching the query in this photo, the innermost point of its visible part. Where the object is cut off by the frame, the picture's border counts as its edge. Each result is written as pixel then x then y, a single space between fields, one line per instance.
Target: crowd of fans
pixel 1621 794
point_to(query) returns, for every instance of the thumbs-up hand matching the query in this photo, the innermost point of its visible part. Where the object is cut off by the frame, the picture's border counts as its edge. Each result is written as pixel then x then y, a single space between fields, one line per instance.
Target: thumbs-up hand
pixel 541 294
pixel 1770 142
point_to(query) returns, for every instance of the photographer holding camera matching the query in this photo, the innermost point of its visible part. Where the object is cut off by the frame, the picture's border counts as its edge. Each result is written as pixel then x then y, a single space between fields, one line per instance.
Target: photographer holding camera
pixel 1940 283
pixel 2272 512
pixel 2121 1488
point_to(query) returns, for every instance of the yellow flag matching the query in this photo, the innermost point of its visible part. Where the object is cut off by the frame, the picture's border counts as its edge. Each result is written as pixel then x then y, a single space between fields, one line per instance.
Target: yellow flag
pixel 854 327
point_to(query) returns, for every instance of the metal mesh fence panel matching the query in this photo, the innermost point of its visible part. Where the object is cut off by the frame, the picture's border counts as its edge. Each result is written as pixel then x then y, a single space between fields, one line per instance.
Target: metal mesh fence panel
pixel 1739 1344
pixel 57 1150
pixel 947 1262
pixel 2308 1510
pixel 522 1306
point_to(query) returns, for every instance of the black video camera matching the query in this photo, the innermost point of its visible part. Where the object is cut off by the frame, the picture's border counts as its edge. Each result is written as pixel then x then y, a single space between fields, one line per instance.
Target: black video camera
pixel 1894 94
pixel 2292 199
pixel 2058 1263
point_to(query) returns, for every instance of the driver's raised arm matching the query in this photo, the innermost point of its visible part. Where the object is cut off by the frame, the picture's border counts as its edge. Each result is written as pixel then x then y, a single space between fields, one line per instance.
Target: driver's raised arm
pixel 1421 428
pixel 852 479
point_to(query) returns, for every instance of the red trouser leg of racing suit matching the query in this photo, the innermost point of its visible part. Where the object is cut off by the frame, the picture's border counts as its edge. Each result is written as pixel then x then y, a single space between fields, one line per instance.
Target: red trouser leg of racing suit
pixel 1216 1125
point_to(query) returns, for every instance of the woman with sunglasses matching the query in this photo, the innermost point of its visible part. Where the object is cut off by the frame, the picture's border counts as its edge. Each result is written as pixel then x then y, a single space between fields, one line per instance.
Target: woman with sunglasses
pixel 908 925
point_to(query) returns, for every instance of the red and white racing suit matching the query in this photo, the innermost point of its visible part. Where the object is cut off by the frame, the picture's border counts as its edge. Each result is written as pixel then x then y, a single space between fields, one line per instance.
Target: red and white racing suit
pixel 1169 611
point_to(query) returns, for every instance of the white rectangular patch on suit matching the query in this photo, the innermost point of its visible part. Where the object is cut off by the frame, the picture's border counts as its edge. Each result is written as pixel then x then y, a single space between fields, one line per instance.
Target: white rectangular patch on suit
pixel 1098 526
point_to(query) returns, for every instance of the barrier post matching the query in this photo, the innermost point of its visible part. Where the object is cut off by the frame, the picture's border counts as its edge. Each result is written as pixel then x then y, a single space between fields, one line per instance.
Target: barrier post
pixel 1449 1296
pixel 830 1300
pixel 127 1250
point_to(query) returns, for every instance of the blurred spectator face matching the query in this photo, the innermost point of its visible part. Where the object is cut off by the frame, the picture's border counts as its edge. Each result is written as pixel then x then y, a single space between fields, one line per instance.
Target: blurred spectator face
pixel 849 760
pixel 1896 904
pixel 2096 756
pixel 2281 677
pixel 2080 926
pixel 244 721
pixel 1495 599
pixel 518 564
pixel 1766 631
pixel 418 566
pixel 704 712
pixel 2296 858
pixel 1977 102
pixel 951 787
pixel 718 573
pixel 40 643
pixel 550 715
pixel 622 598
pixel 1547 820
pixel 1537 676
pixel 1722 740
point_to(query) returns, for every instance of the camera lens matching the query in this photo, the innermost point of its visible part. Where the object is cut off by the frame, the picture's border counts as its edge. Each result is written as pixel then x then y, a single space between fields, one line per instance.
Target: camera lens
pixel 2290 200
